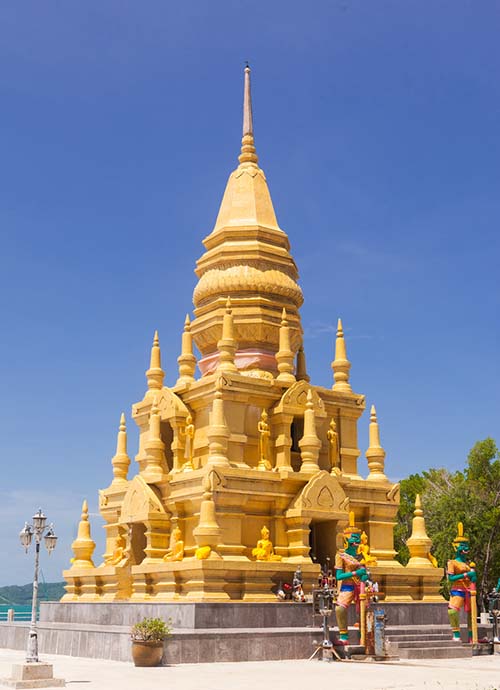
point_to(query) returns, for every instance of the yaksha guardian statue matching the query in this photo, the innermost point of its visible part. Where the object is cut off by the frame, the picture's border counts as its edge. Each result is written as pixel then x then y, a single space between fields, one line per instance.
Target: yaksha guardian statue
pixel 462 578
pixel 350 573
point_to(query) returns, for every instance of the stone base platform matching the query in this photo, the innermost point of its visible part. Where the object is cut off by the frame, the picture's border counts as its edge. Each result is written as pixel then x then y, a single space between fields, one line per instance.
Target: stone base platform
pixel 208 632
pixel 33 675
pixel 201 615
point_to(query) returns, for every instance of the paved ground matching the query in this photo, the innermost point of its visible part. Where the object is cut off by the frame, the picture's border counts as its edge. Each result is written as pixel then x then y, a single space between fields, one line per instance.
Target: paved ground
pixel 479 673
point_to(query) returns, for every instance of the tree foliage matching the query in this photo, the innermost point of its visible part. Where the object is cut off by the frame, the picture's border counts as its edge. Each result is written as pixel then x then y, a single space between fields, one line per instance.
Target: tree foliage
pixel 471 496
pixel 21 595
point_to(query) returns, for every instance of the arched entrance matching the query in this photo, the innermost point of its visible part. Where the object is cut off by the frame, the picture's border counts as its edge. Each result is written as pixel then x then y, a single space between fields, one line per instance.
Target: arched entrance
pixel 287 419
pixel 318 513
pixel 323 540
pixel 146 522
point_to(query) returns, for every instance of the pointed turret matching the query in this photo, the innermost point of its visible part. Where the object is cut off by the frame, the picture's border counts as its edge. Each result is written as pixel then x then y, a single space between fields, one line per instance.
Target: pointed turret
pixel 227 344
pixel 186 360
pixel 155 373
pixel 309 444
pixel 207 533
pixel 247 257
pixel 419 544
pixel 121 460
pixel 83 546
pixel 341 364
pixel 218 432
pixel 301 369
pixel 284 356
pixel 155 465
pixel 375 454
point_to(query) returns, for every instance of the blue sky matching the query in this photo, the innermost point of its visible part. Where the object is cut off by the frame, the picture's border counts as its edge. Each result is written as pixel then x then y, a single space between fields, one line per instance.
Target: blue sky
pixel 377 126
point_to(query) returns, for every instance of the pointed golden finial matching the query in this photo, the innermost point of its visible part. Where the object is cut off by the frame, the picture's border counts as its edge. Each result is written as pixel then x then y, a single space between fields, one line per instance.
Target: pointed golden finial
pixel 375 454
pixel 227 345
pixel 301 372
pixel 155 464
pixel 186 360
pixel 155 373
pixel 419 544
pixel 83 546
pixel 284 356
pixel 341 364
pixel 218 432
pixel 121 460
pixel 309 444
pixel 248 153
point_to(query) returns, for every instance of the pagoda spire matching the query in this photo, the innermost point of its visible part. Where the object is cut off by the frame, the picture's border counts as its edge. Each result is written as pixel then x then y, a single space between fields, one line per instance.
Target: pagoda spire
pixel 247 255
pixel 227 344
pixel 186 360
pixel 375 454
pixel 83 546
pixel 301 369
pixel 121 460
pixel 155 373
pixel 284 356
pixel 309 444
pixel 248 153
pixel 341 364
pixel 155 464
pixel 419 543
pixel 218 432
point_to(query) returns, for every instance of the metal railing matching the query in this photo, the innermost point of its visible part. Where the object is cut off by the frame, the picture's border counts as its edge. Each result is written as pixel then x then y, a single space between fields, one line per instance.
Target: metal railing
pixel 15 613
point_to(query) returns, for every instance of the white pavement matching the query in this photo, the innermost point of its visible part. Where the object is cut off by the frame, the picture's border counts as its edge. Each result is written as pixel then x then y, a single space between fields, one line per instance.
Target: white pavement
pixel 478 673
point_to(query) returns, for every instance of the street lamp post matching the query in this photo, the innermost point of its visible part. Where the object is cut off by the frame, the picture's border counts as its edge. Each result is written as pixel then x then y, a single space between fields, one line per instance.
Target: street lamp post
pixel 38 529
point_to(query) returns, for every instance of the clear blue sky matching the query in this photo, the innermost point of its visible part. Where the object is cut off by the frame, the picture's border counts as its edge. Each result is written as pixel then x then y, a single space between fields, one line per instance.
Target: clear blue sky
pixel 377 124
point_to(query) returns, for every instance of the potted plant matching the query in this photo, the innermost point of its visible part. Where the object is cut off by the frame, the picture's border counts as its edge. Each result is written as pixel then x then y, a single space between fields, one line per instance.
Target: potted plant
pixel 147 641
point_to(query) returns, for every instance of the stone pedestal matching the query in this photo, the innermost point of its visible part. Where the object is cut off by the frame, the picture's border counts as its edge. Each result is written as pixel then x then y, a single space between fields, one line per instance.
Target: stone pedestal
pixel 33 675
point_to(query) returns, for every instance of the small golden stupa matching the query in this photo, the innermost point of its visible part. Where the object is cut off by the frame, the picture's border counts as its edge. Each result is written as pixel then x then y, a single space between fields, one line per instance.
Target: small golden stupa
pixel 246 470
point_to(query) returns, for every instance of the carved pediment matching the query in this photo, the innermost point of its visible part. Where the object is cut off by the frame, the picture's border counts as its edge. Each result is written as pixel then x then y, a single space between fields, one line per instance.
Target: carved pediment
pixel 321 498
pixel 170 405
pixel 213 480
pixel 140 502
pixel 394 493
pixel 294 400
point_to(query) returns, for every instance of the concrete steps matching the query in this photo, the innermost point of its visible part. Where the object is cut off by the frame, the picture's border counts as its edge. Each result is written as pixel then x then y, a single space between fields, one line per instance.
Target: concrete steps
pixel 426 642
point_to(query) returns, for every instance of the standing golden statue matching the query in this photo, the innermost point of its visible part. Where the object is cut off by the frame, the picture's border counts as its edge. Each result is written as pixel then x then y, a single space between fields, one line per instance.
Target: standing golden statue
pixel 333 447
pixel 188 434
pixel 264 434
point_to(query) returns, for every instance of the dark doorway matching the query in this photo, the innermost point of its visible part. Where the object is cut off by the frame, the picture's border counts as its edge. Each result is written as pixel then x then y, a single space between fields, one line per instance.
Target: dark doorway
pixel 323 541
pixel 296 433
pixel 167 436
pixel 138 542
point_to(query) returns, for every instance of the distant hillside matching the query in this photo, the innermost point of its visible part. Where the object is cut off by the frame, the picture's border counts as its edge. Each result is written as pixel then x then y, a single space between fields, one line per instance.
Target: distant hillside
pixel 21 595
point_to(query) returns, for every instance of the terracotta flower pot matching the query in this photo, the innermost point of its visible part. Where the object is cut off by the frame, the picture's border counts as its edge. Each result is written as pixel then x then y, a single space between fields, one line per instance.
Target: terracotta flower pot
pixel 147 652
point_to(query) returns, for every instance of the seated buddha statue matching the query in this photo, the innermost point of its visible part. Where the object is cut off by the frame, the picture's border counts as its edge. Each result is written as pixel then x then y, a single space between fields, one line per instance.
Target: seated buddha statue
pixel 264 550
pixel 364 551
pixel 120 554
pixel 176 550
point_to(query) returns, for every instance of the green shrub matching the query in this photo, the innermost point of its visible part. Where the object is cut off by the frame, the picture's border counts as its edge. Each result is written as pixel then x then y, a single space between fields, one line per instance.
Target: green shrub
pixel 151 630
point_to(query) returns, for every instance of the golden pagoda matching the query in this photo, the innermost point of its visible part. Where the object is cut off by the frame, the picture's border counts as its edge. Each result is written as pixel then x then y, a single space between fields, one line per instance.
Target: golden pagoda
pixel 246 470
